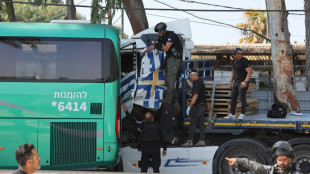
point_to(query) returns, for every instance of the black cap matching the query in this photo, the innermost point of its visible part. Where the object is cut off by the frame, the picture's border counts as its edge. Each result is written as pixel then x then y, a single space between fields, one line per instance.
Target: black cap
pixel 237 50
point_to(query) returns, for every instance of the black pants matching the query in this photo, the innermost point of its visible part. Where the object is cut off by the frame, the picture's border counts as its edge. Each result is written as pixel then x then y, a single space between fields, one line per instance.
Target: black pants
pixel 197 118
pixel 150 158
pixel 236 89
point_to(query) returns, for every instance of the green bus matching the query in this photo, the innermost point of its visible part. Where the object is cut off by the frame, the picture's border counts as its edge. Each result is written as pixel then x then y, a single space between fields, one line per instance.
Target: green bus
pixel 59 89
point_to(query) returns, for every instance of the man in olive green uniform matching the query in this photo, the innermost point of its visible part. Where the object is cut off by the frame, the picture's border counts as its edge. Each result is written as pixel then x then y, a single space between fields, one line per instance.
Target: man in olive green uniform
pixel 170 43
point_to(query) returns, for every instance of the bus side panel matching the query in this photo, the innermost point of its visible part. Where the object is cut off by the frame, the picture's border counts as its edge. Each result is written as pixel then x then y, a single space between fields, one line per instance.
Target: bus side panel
pixel 111 144
pixel 51 100
pixel 14 133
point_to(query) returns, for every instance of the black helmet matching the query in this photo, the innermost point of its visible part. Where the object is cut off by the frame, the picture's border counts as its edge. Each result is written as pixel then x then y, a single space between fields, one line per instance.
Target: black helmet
pixel 282 148
pixel 160 27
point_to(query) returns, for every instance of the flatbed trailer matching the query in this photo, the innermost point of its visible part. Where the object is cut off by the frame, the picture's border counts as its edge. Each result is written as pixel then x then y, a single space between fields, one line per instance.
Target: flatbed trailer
pixel 300 124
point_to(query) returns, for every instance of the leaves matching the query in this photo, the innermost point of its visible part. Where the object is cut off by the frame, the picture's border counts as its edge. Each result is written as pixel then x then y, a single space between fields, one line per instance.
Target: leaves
pixel 256 21
pixel 99 15
pixel 35 13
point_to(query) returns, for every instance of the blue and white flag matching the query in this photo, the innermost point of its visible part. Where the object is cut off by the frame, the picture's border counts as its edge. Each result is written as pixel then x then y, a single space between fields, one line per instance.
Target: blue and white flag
pixel 150 90
pixel 150 87
pixel 150 63
pixel 151 83
pixel 128 86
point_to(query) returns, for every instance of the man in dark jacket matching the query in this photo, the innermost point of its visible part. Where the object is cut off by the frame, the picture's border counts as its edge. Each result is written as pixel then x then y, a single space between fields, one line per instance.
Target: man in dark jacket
pixel 282 152
pixel 152 138
pixel 27 159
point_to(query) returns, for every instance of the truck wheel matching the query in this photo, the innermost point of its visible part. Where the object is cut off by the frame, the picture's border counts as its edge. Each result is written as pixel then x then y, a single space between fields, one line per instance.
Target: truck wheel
pixel 302 158
pixel 239 152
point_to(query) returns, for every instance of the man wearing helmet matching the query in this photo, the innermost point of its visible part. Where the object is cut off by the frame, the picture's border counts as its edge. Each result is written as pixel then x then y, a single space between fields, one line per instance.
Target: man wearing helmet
pixel 282 152
pixel 170 43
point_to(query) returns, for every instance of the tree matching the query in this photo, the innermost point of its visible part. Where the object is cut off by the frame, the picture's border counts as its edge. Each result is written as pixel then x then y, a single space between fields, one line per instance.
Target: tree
pixel 71 10
pixel 256 21
pixel 99 15
pixel 34 13
pixel 282 59
pixel 137 18
pixel 10 11
pixel 307 23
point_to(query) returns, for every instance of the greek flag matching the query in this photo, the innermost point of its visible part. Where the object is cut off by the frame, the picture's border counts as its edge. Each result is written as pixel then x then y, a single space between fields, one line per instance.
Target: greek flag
pixel 150 63
pixel 150 90
pixel 151 83
pixel 128 86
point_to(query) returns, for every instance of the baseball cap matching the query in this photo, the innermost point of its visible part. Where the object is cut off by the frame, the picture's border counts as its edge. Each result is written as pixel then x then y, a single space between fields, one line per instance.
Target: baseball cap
pixel 237 50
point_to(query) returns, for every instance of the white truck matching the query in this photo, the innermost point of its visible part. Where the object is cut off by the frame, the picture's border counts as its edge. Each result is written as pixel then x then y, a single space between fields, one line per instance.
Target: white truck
pixel 142 87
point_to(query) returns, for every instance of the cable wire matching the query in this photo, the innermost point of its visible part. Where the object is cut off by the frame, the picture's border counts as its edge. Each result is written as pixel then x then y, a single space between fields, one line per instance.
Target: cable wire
pixel 154 9
pixel 242 29
pixel 189 20
pixel 215 5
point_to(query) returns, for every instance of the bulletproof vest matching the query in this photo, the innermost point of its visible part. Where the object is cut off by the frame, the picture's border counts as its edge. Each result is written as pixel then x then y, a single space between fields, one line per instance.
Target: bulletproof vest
pixel 291 170
pixel 150 132
pixel 176 48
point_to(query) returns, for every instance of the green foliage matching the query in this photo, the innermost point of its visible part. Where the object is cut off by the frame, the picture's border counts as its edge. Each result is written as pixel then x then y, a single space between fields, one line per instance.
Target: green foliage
pixel 99 15
pixel 36 13
pixel 256 21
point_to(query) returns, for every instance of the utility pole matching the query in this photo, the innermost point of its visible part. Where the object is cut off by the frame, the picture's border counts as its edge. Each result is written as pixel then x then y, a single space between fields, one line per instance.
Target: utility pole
pixel 122 23
pixel 282 57
pixel 307 23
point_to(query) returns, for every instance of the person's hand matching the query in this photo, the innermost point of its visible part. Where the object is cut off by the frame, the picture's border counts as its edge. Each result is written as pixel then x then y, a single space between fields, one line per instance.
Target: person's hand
pixel 184 76
pixel 158 45
pixel 164 153
pixel 244 84
pixel 230 84
pixel 231 161
pixel 142 54
pixel 125 108
pixel 187 110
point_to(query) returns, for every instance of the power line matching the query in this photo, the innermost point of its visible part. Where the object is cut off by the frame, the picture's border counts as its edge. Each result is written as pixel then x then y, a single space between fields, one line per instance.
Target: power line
pixel 153 9
pixel 215 5
pixel 242 29
pixel 117 19
pixel 189 20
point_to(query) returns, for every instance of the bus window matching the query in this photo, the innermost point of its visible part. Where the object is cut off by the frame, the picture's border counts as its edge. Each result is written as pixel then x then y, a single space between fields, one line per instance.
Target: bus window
pixel 58 59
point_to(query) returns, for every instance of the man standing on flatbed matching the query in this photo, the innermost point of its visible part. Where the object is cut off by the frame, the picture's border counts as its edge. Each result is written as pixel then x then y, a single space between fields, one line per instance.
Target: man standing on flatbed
pixel 239 82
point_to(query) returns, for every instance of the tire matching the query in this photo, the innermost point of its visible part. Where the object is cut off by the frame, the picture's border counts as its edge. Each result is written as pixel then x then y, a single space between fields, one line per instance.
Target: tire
pixel 302 158
pixel 239 152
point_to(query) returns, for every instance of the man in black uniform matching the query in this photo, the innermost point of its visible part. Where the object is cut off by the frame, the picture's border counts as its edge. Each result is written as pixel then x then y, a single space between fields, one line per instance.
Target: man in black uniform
pixel 27 159
pixel 197 108
pixel 170 43
pixel 240 76
pixel 152 138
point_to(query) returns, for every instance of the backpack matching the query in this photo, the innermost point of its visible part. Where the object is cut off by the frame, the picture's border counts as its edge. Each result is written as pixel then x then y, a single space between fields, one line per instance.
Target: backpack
pixel 277 111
